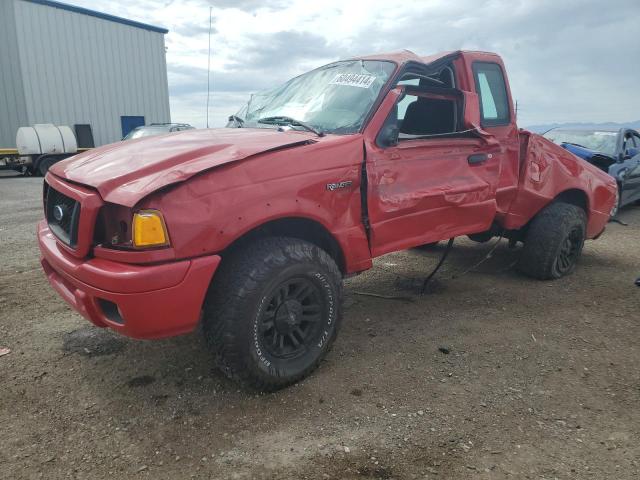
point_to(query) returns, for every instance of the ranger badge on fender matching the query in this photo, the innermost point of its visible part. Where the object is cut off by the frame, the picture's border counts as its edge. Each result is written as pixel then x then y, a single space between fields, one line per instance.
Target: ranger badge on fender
pixel 334 186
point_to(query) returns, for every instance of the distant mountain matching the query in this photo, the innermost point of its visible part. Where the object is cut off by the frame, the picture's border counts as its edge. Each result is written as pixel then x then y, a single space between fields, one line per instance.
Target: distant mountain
pixel 604 126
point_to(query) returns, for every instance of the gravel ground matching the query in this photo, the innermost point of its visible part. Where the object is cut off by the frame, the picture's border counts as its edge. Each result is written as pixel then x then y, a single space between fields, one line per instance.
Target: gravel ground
pixel 490 375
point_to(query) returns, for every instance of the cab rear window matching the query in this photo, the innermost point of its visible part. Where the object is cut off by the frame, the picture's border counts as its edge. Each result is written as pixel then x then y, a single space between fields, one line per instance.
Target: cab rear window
pixel 492 91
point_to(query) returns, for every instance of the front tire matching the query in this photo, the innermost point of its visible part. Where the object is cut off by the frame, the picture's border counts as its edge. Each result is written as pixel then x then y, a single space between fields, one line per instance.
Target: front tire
pixel 273 311
pixel 554 241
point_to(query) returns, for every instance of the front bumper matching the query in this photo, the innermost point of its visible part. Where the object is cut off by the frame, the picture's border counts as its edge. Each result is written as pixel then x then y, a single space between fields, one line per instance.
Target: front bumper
pixel 140 301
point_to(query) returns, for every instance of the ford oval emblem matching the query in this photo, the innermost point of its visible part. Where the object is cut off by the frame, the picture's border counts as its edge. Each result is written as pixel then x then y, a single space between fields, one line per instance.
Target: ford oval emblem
pixel 58 213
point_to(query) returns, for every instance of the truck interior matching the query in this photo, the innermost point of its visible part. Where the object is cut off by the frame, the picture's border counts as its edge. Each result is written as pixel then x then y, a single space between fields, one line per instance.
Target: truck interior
pixel 426 115
pixel 431 107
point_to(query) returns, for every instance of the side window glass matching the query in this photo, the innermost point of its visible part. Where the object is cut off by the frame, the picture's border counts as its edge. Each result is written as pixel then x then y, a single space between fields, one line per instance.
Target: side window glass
pixel 627 144
pixel 489 111
pixel 404 103
pixel 492 90
pixel 631 143
pixel 410 81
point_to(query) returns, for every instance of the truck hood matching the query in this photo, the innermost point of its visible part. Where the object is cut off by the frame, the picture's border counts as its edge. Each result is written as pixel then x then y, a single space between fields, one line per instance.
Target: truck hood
pixel 126 172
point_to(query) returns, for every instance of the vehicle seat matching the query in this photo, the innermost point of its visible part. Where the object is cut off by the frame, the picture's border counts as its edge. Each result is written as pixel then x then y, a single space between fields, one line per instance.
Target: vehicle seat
pixel 429 116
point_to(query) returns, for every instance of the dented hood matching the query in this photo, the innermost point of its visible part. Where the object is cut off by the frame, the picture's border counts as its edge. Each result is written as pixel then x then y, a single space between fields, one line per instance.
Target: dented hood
pixel 126 172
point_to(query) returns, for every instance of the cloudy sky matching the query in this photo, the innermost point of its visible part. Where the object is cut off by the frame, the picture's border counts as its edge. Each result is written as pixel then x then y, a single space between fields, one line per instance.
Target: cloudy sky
pixel 568 60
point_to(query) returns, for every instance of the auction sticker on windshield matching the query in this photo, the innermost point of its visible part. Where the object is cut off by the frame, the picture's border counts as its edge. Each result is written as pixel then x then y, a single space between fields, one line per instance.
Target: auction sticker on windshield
pixel 353 80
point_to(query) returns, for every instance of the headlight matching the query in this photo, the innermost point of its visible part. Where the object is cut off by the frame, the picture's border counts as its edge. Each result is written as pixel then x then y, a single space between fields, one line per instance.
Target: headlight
pixel 123 229
pixel 149 229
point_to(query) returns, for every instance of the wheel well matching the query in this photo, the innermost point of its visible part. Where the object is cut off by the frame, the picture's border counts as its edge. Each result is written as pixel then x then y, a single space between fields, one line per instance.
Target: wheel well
pixel 575 197
pixel 301 228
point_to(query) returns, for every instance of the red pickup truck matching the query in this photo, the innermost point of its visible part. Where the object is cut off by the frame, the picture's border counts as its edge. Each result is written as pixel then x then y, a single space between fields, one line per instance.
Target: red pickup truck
pixel 250 230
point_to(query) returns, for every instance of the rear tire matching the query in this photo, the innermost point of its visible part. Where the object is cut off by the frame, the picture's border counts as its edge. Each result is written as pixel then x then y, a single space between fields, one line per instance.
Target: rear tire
pixel 554 241
pixel 272 312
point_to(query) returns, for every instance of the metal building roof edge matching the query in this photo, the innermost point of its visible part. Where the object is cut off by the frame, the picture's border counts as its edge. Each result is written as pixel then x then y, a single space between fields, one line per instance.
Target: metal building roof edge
pixel 93 13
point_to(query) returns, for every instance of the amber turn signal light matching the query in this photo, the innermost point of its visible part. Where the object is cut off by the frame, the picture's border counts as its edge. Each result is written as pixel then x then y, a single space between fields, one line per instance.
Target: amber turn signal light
pixel 149 229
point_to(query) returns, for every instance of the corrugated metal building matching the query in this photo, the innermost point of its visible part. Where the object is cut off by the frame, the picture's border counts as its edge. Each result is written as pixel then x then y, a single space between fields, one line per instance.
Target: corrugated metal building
pixel 71 66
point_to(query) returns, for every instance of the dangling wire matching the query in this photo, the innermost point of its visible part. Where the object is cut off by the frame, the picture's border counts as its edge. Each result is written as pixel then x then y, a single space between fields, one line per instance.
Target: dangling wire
pixel 435 270
pixel 486 257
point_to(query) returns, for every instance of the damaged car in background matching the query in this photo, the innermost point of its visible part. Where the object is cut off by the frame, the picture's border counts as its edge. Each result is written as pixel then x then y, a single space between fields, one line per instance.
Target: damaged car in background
pixel 249 231
pixel 614 152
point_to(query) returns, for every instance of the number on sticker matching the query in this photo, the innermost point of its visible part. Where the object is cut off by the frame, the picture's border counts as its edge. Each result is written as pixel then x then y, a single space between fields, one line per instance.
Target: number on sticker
pixel 353 80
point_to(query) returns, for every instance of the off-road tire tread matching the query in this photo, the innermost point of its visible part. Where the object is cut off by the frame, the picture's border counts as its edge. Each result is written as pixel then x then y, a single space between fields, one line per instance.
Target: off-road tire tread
pixel 544 236
pixel 240 275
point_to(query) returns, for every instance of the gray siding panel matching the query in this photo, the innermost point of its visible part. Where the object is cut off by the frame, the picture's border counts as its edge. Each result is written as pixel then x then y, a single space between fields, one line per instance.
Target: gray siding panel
pixel 13 112
pixel 82 69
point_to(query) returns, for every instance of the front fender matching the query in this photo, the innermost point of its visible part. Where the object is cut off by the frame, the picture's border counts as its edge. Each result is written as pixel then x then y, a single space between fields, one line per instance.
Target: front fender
pixel 321 183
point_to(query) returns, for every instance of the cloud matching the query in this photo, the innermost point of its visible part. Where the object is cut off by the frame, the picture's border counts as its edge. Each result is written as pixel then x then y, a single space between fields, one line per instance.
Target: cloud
pixel 574 60
pixel 268 60
pixel 284 48
pixel 194 29
pixel 246 5
pixel 187 79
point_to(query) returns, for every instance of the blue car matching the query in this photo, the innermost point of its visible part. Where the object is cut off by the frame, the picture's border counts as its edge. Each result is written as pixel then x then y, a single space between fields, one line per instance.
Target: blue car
pixel 615 152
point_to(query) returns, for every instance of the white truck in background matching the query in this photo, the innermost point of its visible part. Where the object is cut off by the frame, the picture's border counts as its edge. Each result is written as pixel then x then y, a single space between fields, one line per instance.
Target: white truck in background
pixel 38 148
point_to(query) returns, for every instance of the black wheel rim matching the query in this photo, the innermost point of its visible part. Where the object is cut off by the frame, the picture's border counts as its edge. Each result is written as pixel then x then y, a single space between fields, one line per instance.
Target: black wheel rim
pixel 569 251
pixel 291 322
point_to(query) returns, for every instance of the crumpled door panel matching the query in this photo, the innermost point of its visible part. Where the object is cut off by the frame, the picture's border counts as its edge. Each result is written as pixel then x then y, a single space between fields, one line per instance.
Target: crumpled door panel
pixel 425 190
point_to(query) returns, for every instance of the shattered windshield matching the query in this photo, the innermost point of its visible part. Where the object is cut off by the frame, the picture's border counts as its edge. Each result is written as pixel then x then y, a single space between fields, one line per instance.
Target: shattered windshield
pixel 335 98
pixel 600 141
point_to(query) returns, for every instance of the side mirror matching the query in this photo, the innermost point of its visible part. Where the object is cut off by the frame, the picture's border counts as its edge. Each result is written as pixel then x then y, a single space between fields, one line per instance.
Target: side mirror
pixel 234 122
pixel 471 116
pixel 388 136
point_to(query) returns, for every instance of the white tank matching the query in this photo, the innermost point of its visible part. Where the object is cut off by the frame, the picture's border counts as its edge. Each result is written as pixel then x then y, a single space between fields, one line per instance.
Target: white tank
pixel 45 138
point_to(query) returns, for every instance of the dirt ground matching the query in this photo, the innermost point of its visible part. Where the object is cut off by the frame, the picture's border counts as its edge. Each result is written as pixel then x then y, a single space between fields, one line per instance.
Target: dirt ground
pixel 541 379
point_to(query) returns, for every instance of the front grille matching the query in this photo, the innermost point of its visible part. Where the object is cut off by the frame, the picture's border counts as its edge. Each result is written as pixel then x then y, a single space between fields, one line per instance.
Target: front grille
pixel 62 214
